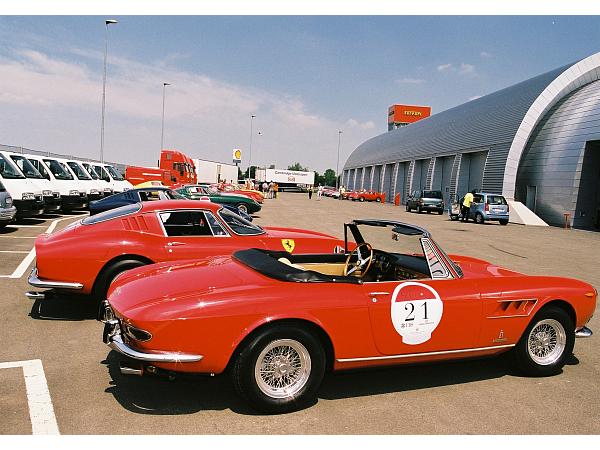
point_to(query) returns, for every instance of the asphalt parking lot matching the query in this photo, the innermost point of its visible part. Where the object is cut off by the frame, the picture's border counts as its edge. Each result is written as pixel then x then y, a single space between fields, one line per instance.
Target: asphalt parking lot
pixel 90 396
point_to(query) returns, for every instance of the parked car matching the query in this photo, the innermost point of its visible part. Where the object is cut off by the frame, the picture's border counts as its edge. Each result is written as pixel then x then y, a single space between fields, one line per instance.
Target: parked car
pixel 242 202
pixel 115 180
pixel 133 196
pixel 87 255
pixel 278 321
pixel 369 196
pixel 27 197
pixel 232 188
pixel 425 201
pixel 484 207
pixel 7 209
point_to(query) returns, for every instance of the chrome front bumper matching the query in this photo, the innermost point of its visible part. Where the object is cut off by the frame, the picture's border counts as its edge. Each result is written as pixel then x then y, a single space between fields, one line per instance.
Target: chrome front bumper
pixel 583 332
pixel 50 284
pixel 114 338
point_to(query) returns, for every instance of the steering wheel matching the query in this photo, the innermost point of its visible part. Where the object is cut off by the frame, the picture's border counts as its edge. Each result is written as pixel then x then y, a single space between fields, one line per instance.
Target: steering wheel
pixel 361 263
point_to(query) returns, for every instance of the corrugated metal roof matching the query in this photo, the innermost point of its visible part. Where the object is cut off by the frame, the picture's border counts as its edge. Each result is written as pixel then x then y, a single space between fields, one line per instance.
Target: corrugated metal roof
pixel 488 120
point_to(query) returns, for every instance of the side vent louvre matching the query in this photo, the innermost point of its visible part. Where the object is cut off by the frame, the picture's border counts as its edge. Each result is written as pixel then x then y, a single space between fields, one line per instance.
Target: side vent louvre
pixel 513 308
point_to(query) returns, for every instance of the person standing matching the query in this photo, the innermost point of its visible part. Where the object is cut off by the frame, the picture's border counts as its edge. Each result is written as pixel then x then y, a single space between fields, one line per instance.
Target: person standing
pixel 275 189
pixel 310 192
pixel 466 205
pixel 319 192
pixel 271 186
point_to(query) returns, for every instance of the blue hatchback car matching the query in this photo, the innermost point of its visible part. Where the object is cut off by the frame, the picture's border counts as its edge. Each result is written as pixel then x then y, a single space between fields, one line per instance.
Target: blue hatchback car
pixel 484 207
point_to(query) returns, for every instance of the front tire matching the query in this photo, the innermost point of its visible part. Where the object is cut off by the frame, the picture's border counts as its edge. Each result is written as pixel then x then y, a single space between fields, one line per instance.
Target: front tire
pixel 546 343
pixel 378 200
pixel 362 199
pixel 242 207
pixel 280 369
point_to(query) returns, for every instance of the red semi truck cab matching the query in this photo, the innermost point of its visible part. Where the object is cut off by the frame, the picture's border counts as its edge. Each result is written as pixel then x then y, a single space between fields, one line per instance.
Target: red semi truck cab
pixel 180 165
pixel 137 175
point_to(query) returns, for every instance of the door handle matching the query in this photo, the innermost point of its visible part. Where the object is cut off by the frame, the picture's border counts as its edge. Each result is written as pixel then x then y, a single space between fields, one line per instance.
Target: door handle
pixel 175 244
pixel 375 294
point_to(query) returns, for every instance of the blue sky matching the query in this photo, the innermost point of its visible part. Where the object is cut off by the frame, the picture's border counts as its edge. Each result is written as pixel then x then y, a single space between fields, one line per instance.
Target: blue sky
pixel 304 77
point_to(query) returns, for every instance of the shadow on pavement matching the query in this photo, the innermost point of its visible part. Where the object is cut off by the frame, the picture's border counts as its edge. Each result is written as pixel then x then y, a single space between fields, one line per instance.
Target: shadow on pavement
pixel 8 230
pixel 187 394
pixel 65 307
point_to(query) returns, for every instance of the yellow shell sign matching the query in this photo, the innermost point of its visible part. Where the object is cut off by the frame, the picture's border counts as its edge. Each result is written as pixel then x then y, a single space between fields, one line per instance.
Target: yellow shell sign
pixel 237 155
pixel 288 245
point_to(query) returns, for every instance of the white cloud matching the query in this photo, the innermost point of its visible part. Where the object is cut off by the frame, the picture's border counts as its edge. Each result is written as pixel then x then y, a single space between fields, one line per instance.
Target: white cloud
pixel 445 67
pixel 54 105
pixel 485 54
pixel 410 81
pixel 466 69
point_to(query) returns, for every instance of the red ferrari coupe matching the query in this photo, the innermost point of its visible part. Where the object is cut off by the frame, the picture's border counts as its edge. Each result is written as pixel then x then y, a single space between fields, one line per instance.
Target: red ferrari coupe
pixel 369 196
pixel 278 321
pixel 89 254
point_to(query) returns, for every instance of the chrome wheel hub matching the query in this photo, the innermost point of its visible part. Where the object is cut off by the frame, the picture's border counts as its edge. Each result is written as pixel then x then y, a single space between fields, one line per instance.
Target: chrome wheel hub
pixel 546 342
pixel 282 368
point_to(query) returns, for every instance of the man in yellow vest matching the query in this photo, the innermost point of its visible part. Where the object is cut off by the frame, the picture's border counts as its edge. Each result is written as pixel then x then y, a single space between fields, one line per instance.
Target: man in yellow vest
pixel 466 205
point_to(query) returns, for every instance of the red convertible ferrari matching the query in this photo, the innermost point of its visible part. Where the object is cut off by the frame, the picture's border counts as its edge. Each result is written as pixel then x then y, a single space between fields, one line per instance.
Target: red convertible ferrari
pixel 278 321
pixel 369 196
pixel 89 254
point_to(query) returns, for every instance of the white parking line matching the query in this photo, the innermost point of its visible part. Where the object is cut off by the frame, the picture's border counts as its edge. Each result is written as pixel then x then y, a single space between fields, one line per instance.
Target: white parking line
pixel 41 411
pixel 13 251
pixel 26 226
pixel 19 237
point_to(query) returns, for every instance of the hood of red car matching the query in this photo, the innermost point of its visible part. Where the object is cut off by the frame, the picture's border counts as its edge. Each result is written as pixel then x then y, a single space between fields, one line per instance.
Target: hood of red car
pixel 172 284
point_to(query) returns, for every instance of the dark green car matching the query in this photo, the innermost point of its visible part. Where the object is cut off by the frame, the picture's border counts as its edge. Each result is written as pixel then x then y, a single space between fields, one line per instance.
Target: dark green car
pixel 241 202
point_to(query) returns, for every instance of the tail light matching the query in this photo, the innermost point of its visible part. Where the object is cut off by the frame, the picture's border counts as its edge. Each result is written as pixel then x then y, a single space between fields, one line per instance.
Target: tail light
pixel 487 207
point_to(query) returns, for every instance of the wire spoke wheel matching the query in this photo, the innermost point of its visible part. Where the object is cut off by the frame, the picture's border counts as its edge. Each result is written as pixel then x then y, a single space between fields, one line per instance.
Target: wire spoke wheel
pixel 546 342
pixel 282 368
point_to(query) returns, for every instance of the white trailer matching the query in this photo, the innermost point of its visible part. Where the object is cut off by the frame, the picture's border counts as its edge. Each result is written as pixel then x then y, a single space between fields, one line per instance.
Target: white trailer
pixel 213 172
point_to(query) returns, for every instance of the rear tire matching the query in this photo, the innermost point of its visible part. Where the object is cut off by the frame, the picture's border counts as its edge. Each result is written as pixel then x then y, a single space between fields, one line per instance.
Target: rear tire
pixel 362 199
pixel 546 343
pixel 242 207
pixel 407 208
pixel 378 200
pixel 280 369
pixel 419 210
pixel 503 221
pixel 108 274
pixel 440 213
pixel 479 218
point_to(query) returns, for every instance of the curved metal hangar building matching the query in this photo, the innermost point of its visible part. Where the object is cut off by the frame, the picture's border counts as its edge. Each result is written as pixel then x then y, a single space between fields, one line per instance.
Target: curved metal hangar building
pixel 537 142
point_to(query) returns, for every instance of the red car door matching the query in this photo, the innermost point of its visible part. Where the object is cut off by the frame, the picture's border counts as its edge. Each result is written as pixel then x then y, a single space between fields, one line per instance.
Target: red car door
pixel 420 316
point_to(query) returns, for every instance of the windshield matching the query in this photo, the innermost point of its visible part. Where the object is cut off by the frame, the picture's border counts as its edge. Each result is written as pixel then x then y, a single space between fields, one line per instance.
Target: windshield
pixel 28 170
pixel 81 174
pixel 7 170
pixel 432 194
pixel 102 173
pixel 40 167
pixel 114 173
pixel 384 238
pixel 239 225
pixel 57 170
pixel 91 171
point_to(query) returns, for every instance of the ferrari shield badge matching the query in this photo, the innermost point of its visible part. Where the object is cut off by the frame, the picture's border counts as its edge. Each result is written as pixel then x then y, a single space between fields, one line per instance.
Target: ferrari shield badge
pixel 288 244
pixel 416 311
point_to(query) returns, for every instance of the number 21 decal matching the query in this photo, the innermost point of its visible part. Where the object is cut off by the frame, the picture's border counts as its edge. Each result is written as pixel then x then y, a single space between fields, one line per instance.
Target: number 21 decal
pixel 416 311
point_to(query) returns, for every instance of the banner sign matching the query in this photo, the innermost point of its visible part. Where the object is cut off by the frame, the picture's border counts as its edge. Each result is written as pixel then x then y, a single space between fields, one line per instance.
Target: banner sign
pixel 289 176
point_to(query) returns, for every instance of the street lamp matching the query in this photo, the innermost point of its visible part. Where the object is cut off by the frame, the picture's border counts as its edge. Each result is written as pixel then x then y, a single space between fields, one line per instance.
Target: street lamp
pixel 252 116
pixel 337 167
pixel 107 23
pixel 162 129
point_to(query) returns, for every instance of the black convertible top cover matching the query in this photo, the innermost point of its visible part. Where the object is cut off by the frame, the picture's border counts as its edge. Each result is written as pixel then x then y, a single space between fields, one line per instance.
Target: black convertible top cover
pixel 266 262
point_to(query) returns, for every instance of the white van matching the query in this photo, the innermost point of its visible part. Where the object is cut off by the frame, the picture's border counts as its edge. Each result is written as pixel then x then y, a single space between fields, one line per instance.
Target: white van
pixel 71 194
pixel 94 187
pixel 106 186
pixel 112 175
pixel 27 197
pixel 50 193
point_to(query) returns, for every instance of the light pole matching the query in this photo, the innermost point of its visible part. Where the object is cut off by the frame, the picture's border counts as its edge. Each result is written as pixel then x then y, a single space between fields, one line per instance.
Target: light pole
pixel 162 129
pixel 252 116
pixel 337 167
pixel 107 23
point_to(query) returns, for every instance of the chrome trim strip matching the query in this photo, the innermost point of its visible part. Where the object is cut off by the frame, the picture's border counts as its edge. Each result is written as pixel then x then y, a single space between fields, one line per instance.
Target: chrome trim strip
pixel 412 355
pixel 38 283
pixel 116 343
pixel 583 332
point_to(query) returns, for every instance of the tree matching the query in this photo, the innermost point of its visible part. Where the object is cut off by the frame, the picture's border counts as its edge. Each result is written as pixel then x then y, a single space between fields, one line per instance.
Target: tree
pixel 329 177
pixel 297 167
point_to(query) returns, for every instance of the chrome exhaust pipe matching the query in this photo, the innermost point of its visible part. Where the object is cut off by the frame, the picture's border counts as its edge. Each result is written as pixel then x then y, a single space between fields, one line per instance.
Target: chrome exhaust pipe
pixel 126 370
pixel 35 295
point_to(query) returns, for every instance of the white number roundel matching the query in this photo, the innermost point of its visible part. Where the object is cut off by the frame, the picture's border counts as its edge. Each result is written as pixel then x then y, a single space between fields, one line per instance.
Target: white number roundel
pixel 416 311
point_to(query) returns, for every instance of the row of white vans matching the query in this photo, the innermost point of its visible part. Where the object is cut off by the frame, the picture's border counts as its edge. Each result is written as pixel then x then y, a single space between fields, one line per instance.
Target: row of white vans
pixel 41 184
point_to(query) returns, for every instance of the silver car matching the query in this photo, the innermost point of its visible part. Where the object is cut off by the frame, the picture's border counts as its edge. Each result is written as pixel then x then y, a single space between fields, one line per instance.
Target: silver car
pixel 7 210
pixel 485 206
